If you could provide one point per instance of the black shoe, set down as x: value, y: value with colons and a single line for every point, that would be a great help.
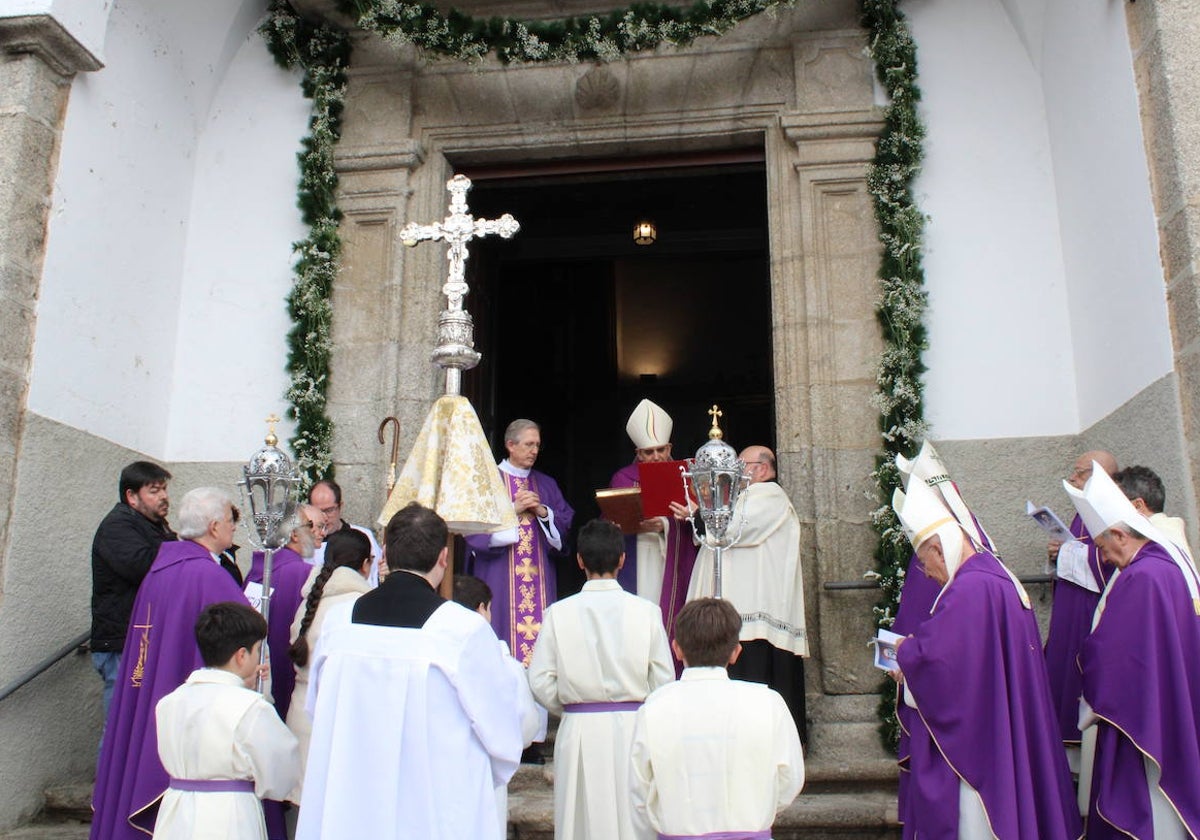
x: 533, y: 755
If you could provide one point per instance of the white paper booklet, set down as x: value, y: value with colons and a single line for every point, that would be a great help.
x: 254, y: 594
x: 885, y: 650
x: 1049, y: 522
x: 1073, y: 565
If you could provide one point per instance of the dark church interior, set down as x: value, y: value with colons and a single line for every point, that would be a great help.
x: 577, y: 322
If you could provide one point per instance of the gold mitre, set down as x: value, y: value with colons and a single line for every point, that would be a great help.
x: 649, y: 426
x: 929, y: 467
x: 921, y: 512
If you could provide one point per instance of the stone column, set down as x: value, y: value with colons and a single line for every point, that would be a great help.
x: 376, y: 370
x: 825, y: 254
x: 38, y: 60
x: 1166, y: 56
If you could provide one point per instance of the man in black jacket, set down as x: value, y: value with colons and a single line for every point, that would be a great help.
x: 123, y: 549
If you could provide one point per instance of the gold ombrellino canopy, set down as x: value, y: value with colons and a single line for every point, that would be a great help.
x: 451, y: 470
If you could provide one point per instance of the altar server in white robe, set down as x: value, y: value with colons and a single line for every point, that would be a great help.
x: 713, y: 756
x: 224, y: 747
x: 475, y: 595
x: 415, y: 712
x: 762, y: 577
x: 598, y: 655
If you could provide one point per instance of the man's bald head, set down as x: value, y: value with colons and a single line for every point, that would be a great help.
x: 1083, y: 466
x: 760, y: 463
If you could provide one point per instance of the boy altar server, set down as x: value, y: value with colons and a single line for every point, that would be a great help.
x: 713, y: 757
x: 598, y: 655
x: 223, y: 745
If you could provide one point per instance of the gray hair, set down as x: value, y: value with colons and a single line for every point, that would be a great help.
x: 201, y: 507
x: 517, y: 426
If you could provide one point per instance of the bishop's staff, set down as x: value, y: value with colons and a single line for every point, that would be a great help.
x: 268, y: 484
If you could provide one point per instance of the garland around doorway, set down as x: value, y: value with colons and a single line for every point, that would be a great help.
x: 322, y: 53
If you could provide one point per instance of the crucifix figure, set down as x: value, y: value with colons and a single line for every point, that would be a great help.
x: 456, y: 340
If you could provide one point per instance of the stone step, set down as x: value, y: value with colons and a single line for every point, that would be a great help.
x: 69, y: 830
x: 69, y: 802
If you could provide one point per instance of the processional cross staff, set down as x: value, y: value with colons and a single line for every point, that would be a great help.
x: 456, y: 341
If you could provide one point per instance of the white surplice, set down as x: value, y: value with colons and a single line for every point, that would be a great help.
x: 213, y: 727
x: 413, y: 730
x: 344, y: 586
x: 602, y: 645
x: 711, y: 754
x: 760, y: 573
x: 533, y: 722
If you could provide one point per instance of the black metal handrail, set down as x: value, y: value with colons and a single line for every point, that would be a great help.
x: 78, y: 644
x: 843, y: 585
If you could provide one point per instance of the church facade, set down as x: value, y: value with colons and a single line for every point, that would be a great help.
x: 147, y: 170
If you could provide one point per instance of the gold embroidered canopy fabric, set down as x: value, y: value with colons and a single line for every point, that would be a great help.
x: 451, y: 470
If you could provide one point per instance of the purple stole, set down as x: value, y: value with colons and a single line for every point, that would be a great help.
x: 526, y: 578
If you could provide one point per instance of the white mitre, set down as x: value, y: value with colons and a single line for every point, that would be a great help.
x: 1102, y: 505
x: 924, y: 515
x: 929, y: 467
x: 649, y: 426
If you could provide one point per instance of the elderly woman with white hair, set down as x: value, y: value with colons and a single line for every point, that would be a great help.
x: 160, y: 653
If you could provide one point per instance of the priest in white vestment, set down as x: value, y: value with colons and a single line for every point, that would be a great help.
x: 713, y: 756
x: 762, y: 577
x: 223, y: 746
x: 598, y: 656
x: 415, y: 712
x: 1143, y: 487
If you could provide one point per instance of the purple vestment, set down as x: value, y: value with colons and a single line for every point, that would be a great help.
x: 160, y: 653
x: 289, y: 573
x: 522, y: 576
x: 1070, y: 622
x: 678, y: 559
x: 1139, y: 676
x: 916, y: 600
x: 984, y: 715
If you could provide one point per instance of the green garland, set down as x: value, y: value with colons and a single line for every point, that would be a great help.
x: 642, y: 26
x: 323, y: 54
x: 901, y: 306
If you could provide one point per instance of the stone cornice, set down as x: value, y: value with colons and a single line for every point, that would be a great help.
x: 43, y: 36
x: 407, y: 154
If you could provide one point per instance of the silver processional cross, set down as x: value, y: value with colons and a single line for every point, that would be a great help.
x: 456, y: 335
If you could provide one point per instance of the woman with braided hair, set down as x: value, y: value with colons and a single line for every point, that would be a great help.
x: 341, y: 580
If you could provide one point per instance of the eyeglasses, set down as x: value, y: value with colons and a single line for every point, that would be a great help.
x: 331, y: 510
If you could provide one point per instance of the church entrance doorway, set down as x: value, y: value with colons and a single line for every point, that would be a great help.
x: 577, y: 322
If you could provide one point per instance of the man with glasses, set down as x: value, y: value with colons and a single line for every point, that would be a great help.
x: 326, y: 495
x: 518, y: 563
x: 762, y: 577
x: 658, y: 559
x: 1080, y: 577
x: 160, y: 653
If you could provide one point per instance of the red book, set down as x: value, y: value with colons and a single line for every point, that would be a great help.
x: 661, y: 483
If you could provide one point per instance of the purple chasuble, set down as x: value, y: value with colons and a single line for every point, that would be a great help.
x: 160, y: 653
x: 1070, y: 622
x: 916, y: 600
x: 678, y: 560
x: 1140, y: 678
x: 289, y: 573
x: 522, y: 576
x: 984, y: 715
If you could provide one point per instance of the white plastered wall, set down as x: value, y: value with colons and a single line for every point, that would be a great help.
x: 1047, y: 306
x: 161, y: 323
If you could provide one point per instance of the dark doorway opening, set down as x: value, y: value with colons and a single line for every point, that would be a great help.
x: 577, y: 323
